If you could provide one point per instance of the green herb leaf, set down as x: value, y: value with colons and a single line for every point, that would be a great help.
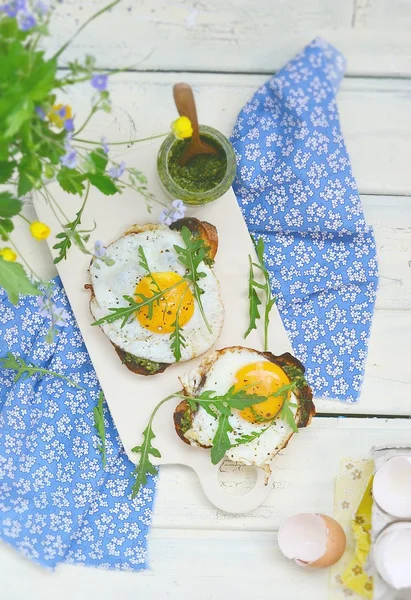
x: 24, y: 370
x: 221, y: 441
x: 99, y: 159
x: 9, y: 206
x: 288, y: 416
x: 71, y: 180
x: 247, y: 438
x: 254, y: 300
x: 20, y: 113
x: 14, y: 280
x: 98, y: 412
x: 253, y: 296
x: 191, y: 257
x: 177, y: 339
x: 6, y: 227
x: 145, y: 465
x: 103, y: 183
x: 6, y: 170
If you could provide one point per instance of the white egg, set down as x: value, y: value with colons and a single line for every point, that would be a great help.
x: 218, y: 374
x: 392, y: 487
x: 392, y: 555
x: 112, y: 283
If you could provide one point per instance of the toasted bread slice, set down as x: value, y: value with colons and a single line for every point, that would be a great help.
x: 184, y: 414
x: 199, y: 229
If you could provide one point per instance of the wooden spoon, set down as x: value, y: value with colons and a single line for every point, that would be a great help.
x: 186, y: 106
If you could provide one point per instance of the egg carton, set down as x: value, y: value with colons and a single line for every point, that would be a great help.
x: 380, y: 520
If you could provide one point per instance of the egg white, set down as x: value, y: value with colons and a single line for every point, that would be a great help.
x: 111, y: 283
x: 219, y: 378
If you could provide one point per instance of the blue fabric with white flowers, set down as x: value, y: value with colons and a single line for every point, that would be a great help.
x: 296, y: 190
x: 57, y: 504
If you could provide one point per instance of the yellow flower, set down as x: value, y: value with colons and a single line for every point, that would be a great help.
x: 60, y: 113
x: 39, y: 230
x: 181, y: 128
x: 8, y: 254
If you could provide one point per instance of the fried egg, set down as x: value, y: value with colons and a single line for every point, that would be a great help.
x: 146, y: 334
x: 261, y: 374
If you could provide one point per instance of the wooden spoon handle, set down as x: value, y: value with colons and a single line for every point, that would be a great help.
x: 186, y: 106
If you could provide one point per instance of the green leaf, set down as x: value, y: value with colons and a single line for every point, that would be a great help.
x: 288, y: 416
x: 6, y: 170
x: 191, y: 257
x: 30, y: 172
x: 98, y: 412
x: 254, y: 300
x: 9, y: 206
x: 21, y: 113
x: 6, y: 227
x: 25, y: 185
x: 14, y: 280
x: 221, y: 441
x: 71, y: 180
x: 145, y: 465
x: 24, y: 370
x: 103, y: 183
x: 99, y: 159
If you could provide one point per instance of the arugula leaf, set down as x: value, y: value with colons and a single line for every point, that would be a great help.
x: 14, y: 280
x: 24, y: 370
x: 254, y: 300
x: 98, y: 413
x: 253, y: 285
x: 6, y: 170
x: 125, y: 312
x: 177, y: 338
x: 103, y: 183
x: 191, y: 257
x: 146, y: 449
x: 221, y: 441
x: 71, y: 180
x: 247, y: 438
x: 144, y: 265
x: 288, y: 416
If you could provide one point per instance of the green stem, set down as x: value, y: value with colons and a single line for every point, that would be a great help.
x: 92, y: 113
x: 80, y: 29
x: 34, y: 274
x: 24, y: 218
x: 153, y: 137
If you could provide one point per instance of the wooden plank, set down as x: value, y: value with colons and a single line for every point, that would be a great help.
x: 238, y: 35
x: 304, y: 475
x: 194, y: 565
x: 374, y: 117
x: 198, y: 552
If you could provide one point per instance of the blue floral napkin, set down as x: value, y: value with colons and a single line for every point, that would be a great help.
x: 296, y: 190
x: 57, y: 504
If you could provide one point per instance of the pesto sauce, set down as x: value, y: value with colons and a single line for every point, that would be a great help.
x: 203, y: 172
x: 149, y: 365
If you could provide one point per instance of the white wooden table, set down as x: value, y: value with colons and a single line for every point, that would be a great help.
x: 226, y: 50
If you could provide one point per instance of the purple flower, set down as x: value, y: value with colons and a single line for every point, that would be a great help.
x: 41, y: 8
x: 12, y: 8
x: 99, y: 249
x: 47, y: 308
x: 99, y: 82
x: 176, y: 211
x: 26, y: 21
x: 61, y: 112
x: 40, y: 112
x: 179, y: 209
x: 116, y: 172
x: 69, y: 159
x: 104, y: 145
x: 69, y: 125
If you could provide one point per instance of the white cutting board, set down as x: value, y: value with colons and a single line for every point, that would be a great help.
x: 131, y: 397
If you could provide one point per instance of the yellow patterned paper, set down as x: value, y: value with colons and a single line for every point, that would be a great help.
x: 352, y: 509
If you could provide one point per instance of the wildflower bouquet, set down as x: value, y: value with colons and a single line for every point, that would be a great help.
x: 40, y: 142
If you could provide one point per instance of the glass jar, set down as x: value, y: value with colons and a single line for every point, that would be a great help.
x: 200, y: 196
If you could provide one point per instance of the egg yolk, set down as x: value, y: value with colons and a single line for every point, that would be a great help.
x: 267, y: 379
x: 163, y: 313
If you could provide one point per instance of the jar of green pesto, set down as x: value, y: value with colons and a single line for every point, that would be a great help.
x: 205, y: 177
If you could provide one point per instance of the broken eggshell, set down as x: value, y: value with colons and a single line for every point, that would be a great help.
x: 392, y: 555
x: 312, y: 540
x: 392, y: 487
